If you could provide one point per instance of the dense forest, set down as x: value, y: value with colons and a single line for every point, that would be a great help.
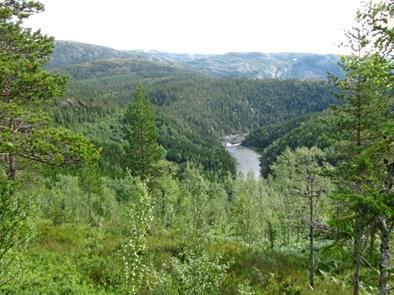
x: 193, y: 110
x: 114, y: 178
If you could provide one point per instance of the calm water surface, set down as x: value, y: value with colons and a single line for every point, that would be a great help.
x: 247, y: 159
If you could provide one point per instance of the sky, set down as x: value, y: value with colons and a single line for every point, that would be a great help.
x: 201, y: 26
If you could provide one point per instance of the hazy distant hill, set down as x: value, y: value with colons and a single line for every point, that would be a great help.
x: 260, y: 65
x: 303, y: 66
x: 68, y: 53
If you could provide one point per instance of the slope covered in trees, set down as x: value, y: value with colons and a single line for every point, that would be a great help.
x: 194, y: 110
x: 271, y: 140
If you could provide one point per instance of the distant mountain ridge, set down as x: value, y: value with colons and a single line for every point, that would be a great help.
x: 253, y: 65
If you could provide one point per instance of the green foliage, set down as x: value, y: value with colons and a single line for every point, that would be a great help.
x: 85, y: 205
x: 304, y: 169
x: 26, y: 90
x: 300, y: 176
x: 197, y: 274
x: 254, y: 204
x: 238, y: 105
x: 168, y: 200
x: 266, y: 135
x: 211, y: 233
x: 271, y: 234
x: 272, y: 140
x: 287, y: 287
x: 94, y: 255
x: 302, y: 164
x: 376, y: 16
x: 139, y: 219
x: 245, y: 215
x: 143, y: 151
x: 43, y: 274
x: 367, y: 93
x: 196, y: 189
x: 127, y: 189
x: 192, y: 110
x: 186, y: 146
x: 15, y: 230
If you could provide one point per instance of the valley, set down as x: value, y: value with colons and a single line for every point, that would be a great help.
x: 194, y: 109
x: 149, y: 172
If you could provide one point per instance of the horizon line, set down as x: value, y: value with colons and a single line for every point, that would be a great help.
x: 196, y: 53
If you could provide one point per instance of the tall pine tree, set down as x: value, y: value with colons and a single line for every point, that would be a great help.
x: 143, y: 150
x: 27, y: 133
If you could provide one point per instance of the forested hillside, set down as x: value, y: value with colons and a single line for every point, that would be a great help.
x: 272, y: 140
x: 114, y: 179
x: 195, y: 110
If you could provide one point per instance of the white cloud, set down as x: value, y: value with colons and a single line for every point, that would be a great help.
x: 204, y: 26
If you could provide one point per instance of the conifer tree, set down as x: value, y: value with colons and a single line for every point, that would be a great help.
x: 143, y: 151
x: 365, y: 118
x: 26, y: 90
x: 378, y: 18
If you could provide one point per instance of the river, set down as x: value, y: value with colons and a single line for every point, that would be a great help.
x: 247, y: 159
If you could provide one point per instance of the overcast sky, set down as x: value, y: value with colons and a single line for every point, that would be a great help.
x: 201, y: 26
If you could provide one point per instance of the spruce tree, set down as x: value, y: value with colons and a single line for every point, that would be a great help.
x: 143, y: 150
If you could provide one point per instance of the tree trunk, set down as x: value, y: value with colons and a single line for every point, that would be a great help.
x: 372, y: 240
x: 11, y: 171
x: 163, y: 209
x: 311, y: 246
x: 384, y: 264
x: 91, y: 220
x: 357, y: 254
x: 385, y: 229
